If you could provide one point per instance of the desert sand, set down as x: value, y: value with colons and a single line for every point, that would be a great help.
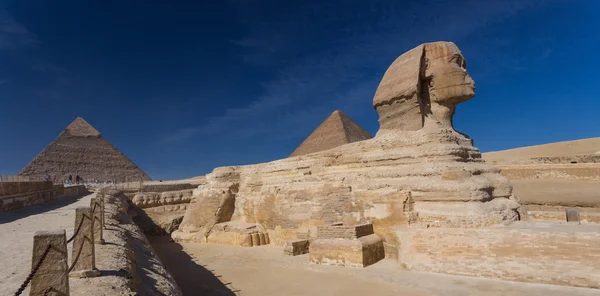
x: 556, y: 174
x: 216, y: 269
x: 581, y: 147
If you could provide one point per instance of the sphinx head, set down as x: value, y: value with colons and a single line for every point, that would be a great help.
x: 423, y: 86
x: 446, y: 81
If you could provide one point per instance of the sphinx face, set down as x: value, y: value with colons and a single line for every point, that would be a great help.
x: 449, y: 82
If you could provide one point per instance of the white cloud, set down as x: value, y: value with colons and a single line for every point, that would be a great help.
x: 14, y: 35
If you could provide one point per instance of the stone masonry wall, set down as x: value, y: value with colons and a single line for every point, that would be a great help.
x: 168, y: 187
x: 585, y: 217
x: 11, y: 188
x: 551, y: 253
x: 127, y: 255
x: 17, y: 201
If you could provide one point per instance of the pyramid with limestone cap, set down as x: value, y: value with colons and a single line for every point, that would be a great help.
x: 81, y: 150
x: 338, y: 129
x: 81, y: 128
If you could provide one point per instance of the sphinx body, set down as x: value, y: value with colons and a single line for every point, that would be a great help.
x: 416, y: 172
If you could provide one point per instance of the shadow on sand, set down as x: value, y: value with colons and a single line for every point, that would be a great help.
x: 10, y: 216
x: 193, y: 279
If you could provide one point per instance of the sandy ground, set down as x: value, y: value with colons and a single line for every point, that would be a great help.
x: 16, y: 236
x: 213, y: 269
x: 558, y: 184
x: 559, y: 149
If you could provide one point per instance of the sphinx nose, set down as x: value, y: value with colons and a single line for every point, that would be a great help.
x: 469, y: 80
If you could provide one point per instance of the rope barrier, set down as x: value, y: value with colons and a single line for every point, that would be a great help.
x: 79, y: 226
x: 77, y: 257
x: 33, y: 271
x: 76, y: 231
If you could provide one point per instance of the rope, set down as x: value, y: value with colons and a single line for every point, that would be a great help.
x: 94, y: 211
x: 77, y: 257
x: 76, y: 231
x: 33, y: 271
x: 79, y: 226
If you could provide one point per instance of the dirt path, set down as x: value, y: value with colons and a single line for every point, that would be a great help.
x: 16, y: 236
x: 213, y: 269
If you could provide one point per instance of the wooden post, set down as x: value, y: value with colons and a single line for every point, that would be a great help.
x: 83, y: 257
x: 53, y: 273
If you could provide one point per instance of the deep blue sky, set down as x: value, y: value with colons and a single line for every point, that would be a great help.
x: 183, y: 87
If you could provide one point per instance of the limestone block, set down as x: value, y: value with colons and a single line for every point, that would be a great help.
x: 255, y: 239
x: 339, y: 230
x: 53, y: 273
x: 237, y: 233
x: 572, y: 215
x: 83, y: 258
x: 296, y: 247
x: 360, y: 252
x: 246, y: 240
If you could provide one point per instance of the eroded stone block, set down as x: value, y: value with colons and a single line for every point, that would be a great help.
x: 53, y: 272
x: 572, y: 215
x: 239, y: 234
x: 346, y: 245
x: 296, y: 247
x: 83, y: 255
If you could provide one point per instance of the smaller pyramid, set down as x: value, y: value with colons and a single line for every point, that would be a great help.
x: 338, y: 129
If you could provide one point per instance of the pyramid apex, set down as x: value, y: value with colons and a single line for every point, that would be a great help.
x: 81, y: 128
x: 336, y: 130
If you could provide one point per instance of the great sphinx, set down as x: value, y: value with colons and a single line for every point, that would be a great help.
x: 418, y: 171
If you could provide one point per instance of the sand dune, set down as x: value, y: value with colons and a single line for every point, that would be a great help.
x: 566, y: 150
x: 562, y: 173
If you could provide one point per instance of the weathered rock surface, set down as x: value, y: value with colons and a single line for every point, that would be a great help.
x: 416, y: 170
x: 159, y: 213
x: 154, y: 199
x: 128, y: 254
